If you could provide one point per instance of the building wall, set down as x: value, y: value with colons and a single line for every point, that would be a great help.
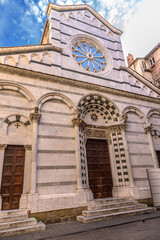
x: 47, y: 93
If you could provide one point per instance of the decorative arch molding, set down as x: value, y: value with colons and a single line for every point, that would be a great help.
x: 56, y: 96
x: 136, y: 111
x: 100, y: 104
x: 18, y: 88
x: 23, y: 59
x: 153, y: 112
x: 9, y: 60
x: 15, y: 118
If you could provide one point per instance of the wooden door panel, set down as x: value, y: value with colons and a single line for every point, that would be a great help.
x: 12, y: 177
x: 99, y: 170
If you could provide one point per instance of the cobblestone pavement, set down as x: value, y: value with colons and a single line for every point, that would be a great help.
x: 142, y: 227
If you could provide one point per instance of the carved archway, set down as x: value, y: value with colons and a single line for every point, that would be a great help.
x: 96, y: 104
x: 153, y: 112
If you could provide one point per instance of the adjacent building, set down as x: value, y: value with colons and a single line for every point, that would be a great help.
x: 149, y: 66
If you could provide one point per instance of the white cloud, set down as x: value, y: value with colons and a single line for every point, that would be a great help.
x: 142, y: 32
x: 3, y: 2
x: 38, y: 10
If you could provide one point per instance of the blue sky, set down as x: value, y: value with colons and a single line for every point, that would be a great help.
x: 22, y: 21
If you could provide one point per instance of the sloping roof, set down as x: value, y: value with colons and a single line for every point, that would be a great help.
x: 63, y: 8
x: 152, y: 51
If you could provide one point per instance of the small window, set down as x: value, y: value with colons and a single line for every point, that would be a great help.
x: 144, y: 65
x: 152, y: 62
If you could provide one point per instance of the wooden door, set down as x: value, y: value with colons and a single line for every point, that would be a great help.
x: 12, y: 177
x: 99, y: 170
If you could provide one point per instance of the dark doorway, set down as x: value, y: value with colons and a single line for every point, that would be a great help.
x: 12, y: 177
x: 99, y: 169
x: 158, y: 156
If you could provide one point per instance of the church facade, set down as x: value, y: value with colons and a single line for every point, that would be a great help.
x: 75, y: 123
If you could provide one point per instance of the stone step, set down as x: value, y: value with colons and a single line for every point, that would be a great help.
x: 22, y: 230
x: 13, y: 212
x: 84, y: 219
x: 111, y: 205
x: 13, y: 218
x: 108, y: 200
x: 17, y: 224
x: 113, y: 210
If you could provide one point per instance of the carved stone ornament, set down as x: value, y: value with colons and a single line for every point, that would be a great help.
x: 35, y: 116
x: 124, y: 117
x: 77, y: 112
x: 117, y: 128
x: 79, y: 122
x: 28, y: 147
x: 97, y: 134
x: 148, y: 127
x: 3, y: 146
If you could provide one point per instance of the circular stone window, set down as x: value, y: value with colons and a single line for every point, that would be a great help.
x: 89, y: 56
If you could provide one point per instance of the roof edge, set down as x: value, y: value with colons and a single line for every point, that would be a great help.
x: 152, y: 51
x: 29, y: 48
x: 60, y: 8
x: 141, y: 78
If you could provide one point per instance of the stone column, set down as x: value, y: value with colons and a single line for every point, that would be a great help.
x: 84, y: 193
x: 35, y: 117
x: 27, y: 177
x: 76, y: 123
x: 147, y: 129
x: 2, y: 151
x: 127, y: 158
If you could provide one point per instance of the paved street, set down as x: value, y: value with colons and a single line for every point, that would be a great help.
x: 144, y: 227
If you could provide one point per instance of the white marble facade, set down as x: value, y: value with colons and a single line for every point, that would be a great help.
x: 59, y: 104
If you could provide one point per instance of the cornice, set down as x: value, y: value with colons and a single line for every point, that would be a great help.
x: 62, y: 8
x: 142, y: 79
x: 30, y: 48
x: 75, y: 83
x: 44, y: 30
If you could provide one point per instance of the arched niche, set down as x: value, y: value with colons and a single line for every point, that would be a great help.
x: 9, y: 60
x: 20, y: 89
x: 56, y: 96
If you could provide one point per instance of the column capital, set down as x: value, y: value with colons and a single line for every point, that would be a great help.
x: 148, y: 127
x: 35, y: 117
x: 28, y: 147
x: 3, y: 146
x: 77, y: 112
x: 78, y: 122
x: 123, y: 118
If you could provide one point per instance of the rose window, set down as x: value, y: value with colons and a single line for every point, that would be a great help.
x: 89, y: 56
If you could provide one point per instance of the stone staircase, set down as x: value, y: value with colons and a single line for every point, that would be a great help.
x: 14, y: 222
x: 109, y: 208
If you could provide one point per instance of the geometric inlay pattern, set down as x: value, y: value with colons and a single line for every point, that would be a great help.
x: 88, y: 56
x: 94, y: 117
x: 120, y: 158
x: 83, y: 158
x: 101, y: 105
